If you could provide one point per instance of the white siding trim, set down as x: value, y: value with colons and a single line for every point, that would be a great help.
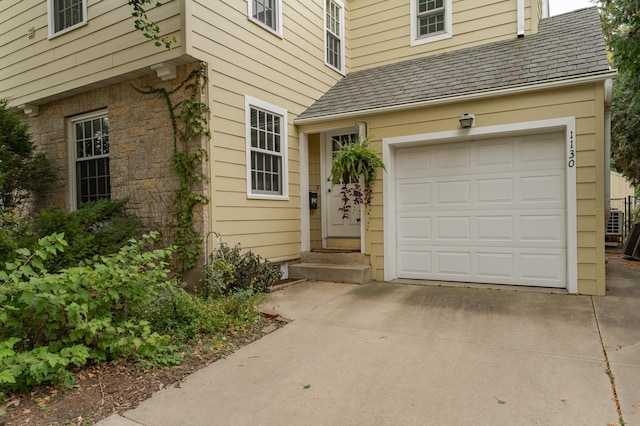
x: 389, y: 145
x: 250, y: 101
x: 448, y: 25
x: 51, y: 17
x: 305, y: 219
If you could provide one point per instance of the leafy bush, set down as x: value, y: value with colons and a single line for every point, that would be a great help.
x: 233, y: 270
x: 98, y: 228
x: 22, y: 170
x: 86, y: 313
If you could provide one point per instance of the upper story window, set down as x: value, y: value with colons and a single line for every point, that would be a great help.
x: 65, y: 15
x: 334, y: 34
x: 430, y: 21
x: 267, y: 13
x: 266, y: 127
x: 89, y: 153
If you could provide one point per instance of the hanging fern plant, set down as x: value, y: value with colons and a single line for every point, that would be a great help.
x: 354, y: 165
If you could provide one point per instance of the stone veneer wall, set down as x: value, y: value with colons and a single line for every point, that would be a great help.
x: 141, y: 146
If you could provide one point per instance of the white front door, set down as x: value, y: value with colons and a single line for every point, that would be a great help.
x: 337, y: 226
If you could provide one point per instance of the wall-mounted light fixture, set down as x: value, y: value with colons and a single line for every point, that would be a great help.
x: 466, y: 120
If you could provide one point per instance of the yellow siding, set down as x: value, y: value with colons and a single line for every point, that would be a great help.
x: 289, y: 72
x: 584, y: 102
x: 381, y: 29
x: 107, y: 48
x: 620, y: 186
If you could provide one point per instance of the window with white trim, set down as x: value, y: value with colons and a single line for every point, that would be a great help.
x: 89, y: 148
x: 266, y: 150
x: 334, y: 34
x: 430, y: 20
x: 267, y: 13
x: 65, y: 15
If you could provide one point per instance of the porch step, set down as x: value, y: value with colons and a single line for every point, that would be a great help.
x: 337, y: 267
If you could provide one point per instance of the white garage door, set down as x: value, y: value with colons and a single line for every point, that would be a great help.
x: 488, y: 211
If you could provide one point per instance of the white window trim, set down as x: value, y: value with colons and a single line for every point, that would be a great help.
x: 448, y: 25
x: 73, y: 196
x: 278, y: 29
x: 249, y: 102
x: 342, y: 38
x: 51, y: 17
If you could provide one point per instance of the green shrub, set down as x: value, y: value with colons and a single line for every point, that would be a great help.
x: 98, y: 228
x: 232, y: 270
x: 92, y: 312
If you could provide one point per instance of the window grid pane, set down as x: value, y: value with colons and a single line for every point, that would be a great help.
x: 334, y: 41
x: 266, y: 155
x: 430, y: 17
x: 92, y: 159
x: 67, y: 13
x: 265, y: 12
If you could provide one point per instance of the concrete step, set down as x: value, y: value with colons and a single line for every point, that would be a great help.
x: 335, y: 258
x: 335, y: 272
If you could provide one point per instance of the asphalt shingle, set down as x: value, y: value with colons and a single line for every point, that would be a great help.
x: 566, y: 46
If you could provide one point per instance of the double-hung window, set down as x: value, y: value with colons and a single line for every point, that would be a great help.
x: 267, y: 13
x: 266, y: 150
x: 65, y: 15
x: 430, y: 20
x: 89, y: 149
x: 334, y: 34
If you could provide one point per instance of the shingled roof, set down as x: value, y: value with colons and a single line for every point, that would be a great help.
x: 566, y: 46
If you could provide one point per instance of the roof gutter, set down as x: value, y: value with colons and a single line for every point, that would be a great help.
x: 510, y: 90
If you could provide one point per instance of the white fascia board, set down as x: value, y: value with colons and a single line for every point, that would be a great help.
x: 521, y: 88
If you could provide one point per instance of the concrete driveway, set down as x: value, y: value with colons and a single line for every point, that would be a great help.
x: 391, y: 354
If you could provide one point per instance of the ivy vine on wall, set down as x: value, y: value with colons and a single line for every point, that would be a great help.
x: 189, y: 124
x: 150, y: 29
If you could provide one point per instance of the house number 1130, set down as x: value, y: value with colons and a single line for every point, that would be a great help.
x: 572, y: 152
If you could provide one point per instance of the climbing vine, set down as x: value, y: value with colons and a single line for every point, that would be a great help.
x: 189, y: 124
x: 150, y: 29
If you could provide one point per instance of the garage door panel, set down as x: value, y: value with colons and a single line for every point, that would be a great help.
x: 413, y: 193
x: 415, y: 264
x: 414, y: 230
x: 496, y: 265
x: 543, y: 149
x: 495, y: 228
x: 547, y: 267
x: 494, y: 190
x: 453, y: 228
x: 453, y: 263
x: 453, y: 192
x: 542, y: 189
x: 548, y: 228
x: 415, y: 162
x: 488, y: 211
x: 494, y: 154
x: 448, y: 157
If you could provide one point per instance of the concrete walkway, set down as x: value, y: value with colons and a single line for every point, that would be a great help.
x: 390, y: 354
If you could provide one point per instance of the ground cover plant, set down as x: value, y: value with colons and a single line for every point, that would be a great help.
x: 114, y: 310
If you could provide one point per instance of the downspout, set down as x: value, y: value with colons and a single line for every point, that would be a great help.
x: 520, y: 14
x: 545, y: 8
x: 608, y: 97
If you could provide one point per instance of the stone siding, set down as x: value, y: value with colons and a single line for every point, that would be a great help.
x: 141, y: 146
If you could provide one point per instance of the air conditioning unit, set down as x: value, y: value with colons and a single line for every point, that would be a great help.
x: 615, y: 225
